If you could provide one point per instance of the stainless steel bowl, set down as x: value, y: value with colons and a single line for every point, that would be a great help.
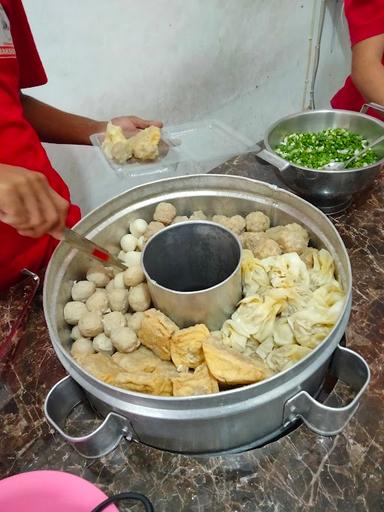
x: 233, y: 419
x: 330, y: 190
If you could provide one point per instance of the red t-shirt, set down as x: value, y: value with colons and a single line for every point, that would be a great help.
x: 20, y: 67
x: 365, y: 19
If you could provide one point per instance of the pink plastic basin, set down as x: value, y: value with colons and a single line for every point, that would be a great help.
x: 49, y: 491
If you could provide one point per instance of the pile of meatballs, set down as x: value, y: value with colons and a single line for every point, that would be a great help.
x: 108, y: 307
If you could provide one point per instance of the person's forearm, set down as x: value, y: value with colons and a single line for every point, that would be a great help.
x: 54, y: 125
x: 370, y: 83
x: 367, y: 68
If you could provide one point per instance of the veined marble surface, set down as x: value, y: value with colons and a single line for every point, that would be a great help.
x: 300, y: 472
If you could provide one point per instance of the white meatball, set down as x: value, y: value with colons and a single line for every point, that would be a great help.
x: 82, y: 347
x: 82, y: 290
x: 139, y: 297
x: 165, y: 213
x: 118, y: 300
x: 101, y: 343
x: 135, y: 321
x: 99, y: 275
x: 75, y: 333
x: 113, y: 321
x: 124, y: 339
x: 73, y: 311
x: 98, y: 302
x: 121, y: 255
x: 90, y: 324
x: 133, y: 276
x: 128, y: 243
x: 127, y: 317
x: 118, y: 280
x: 141, y: 243
x: 132, y: 258
x: 138, y: 227
x: 110, y: 286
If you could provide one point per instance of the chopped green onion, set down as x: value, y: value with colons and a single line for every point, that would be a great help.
x: 317, y: 149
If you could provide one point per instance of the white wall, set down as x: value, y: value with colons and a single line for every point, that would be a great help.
x: 242, y: 61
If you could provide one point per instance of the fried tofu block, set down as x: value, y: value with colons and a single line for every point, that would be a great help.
x: 105, y: 369
x: 231, y: 367
x: 156, y: 332
x: 144, y: 360
x: 186, y: 346
x: 201, y: 382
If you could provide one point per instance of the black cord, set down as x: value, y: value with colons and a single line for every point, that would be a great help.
x: 135, y: 496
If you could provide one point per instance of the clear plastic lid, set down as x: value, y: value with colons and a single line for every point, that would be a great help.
x: 199, y: 141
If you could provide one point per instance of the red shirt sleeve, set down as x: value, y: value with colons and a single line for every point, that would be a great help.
x: 365, y: 19
x: 31, y: 68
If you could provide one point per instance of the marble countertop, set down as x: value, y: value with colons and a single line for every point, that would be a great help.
x: 300, y: 472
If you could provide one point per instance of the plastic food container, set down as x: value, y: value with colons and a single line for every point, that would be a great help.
x: 196, y: 146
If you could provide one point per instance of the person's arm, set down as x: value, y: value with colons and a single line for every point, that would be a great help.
x: 54, y: 125
x: 367, y: 68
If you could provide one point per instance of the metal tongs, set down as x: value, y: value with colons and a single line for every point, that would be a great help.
x: 91, y: 249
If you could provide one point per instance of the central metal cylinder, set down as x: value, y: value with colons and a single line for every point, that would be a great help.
x: 193, y: 273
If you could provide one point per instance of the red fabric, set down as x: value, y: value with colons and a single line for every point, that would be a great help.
x: 365, y: 19
x: 20, y: 67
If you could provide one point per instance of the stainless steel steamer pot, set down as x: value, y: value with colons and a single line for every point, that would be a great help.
x: 234, y: 419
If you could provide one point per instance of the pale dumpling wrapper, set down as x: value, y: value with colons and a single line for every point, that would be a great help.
x: 284, y: 357
x: 256, y: 316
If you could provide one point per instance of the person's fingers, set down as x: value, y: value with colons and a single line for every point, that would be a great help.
x: 159, y: 124
x: 62, y: 207
x: 12, y: 209
x: 145, y: 123
x: 34, y: 204
x: 32, y: 207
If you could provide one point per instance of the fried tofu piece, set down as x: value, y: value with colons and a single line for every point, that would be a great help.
x: 100, y: 366
x: 144, y: 360
x: 156, y: 332
x: 201, y: 382
x: 154, y: 383
x: 105, y: 369
x: 231, y: 367
x: 186, y: 346
x: 145, y: 143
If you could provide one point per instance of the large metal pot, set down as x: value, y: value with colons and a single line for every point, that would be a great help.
x: 247, y: 416
x: 330, y: 190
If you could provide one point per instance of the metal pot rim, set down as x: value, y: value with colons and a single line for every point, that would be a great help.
x: 315, y: 112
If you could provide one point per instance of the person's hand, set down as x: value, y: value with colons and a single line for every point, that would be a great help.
x: 132, y: 123
x: 29, y: 204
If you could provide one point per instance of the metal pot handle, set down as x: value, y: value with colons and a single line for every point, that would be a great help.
x: 273, y: 159
x: 375, y: 106
x: 62, y: 399
x: 347, y: 366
